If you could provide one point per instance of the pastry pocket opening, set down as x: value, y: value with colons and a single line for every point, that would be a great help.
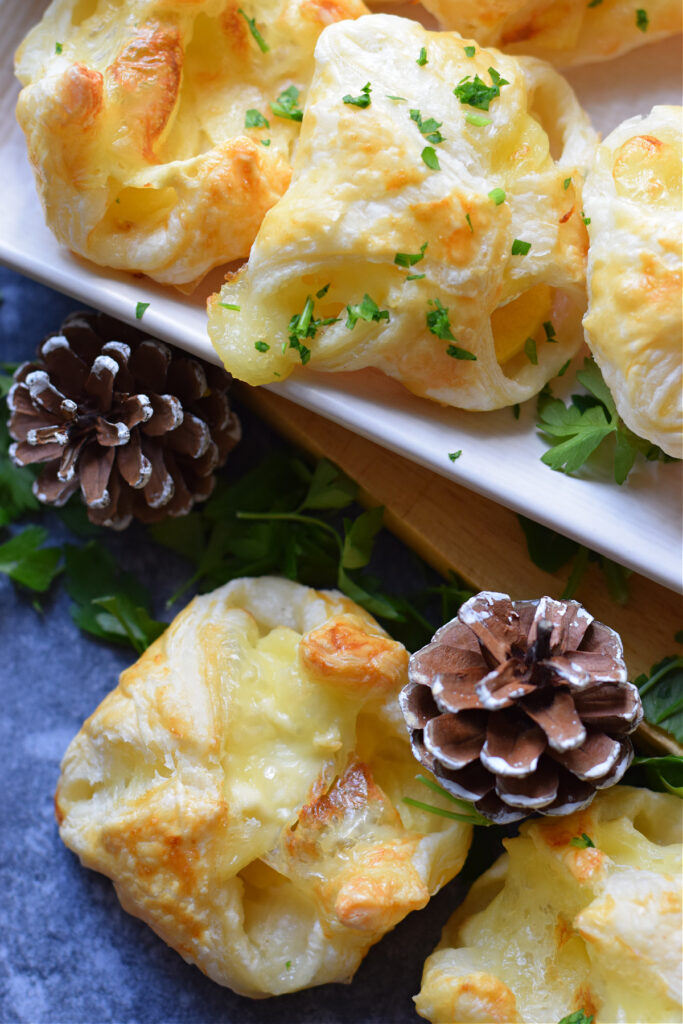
x: 520, y: 320
x: 137, y: 207
x: 84, y: 9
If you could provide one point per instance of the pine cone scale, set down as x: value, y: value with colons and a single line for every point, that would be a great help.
x: 500, y: 693
x: 68, y: 370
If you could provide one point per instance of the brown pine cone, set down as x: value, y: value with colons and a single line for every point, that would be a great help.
x: 138, y: 427
x: 522, y: 706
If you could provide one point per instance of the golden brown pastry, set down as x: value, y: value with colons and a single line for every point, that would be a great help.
x: 243, y: 787
x: 430, y: 235
x: 634, y: 324
x: 561, y: 31
x: 583, y: 912
x: 151, y: 134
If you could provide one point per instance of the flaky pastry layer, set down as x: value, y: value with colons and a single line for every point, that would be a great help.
x: 455, y: 324
x: 634, y: 323
x: 243, y: 784
x: 136, y: 127
x: 559, y: 925
x: 560, y: 31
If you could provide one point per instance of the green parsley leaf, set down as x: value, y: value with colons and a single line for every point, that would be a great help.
x: 398, y: 99
x: 662, y: 695
x: 516, y: 410
x: 429, y: 127
x: 360, y: 101
x: 108, y: 603
x: 323, y: 291
x: 497, y: 195
x: 25, y: 561
x: 329, y: 488
x: 422, y: 59
x: 367, y: 310
x: 255, y: 119
x: 58, y: 47
x: 478, y: 120
x: 642, y: 20
x: 476, y: 93
x: 520, y: 248
x: 578, y: 1017
x: 430, y: 158
x: 409, y: 259
x: 438, y: 321
x: 140, y: 310
x: 265, y: 142
x: 460, y: 353
x: 305, y: 325
x: 415, y: 277
x: 287, y: 105
x: 470, y: 51
x: 261, y: 346
x: 455, y: 455
x: 359, y: 538
x: 663, y: 774
x: 547, y: 549
x: 586, y: 220
x: 230, y: 305
x: 251, y: 22
x: 582, y: 842
x: 563, y: 369
x: 549, y: 329
x: 567, y: 181
x: 469, y: 223
x: 530, y: 351
x: 288, y: 964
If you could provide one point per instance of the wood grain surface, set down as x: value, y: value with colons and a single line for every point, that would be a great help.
x: 455, y: 529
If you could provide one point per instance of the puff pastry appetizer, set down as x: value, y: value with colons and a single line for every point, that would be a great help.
x: 431, y: 235
x: 151, y: 132
x: 634, y: 323
x: 243, y: 787
x: 561, y: 31
x: 580, y: 913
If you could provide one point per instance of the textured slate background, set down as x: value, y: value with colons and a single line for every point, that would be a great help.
x: 68, y: 953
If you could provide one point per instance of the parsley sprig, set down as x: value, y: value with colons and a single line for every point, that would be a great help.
x: 579, y: 429
x: 287, y: 105
x: 367, y: 310
x: 662, y: 695
x: 474, y: 92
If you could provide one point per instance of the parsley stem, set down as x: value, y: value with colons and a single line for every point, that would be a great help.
x: 467, y: 819
x: 294, y: 517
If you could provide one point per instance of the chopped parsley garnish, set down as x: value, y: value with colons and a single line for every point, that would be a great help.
x: 594, y: 3
x: 476, y: 93
x: 516, y: 410
x: 586, y: 220
x: 229, y: 305
x: 578, y: 1017
x: 366, y: 310
x: 455, y: 352
x: 478, y: 120
x: 563, y: 369
x: 251, y: 22
x: 399, y: 99
x: 58, y: 47
x: 469, y: 223
x: 422, y: 59
x: 359, y: 101
x: 265, y: 142
x: 430, y: 158
x: 255, y: 119
x: 530, y: 351
x: 550, y: 334
x: 261, y: 346
x: 288, y: 964
x: 520, y: 248
x: 497, y: 195
x: 470, y: 51
x: 409, y: 259
x: 429, y: 128
x: 642, y: 20
x: 287, y: 104
x: 438, y: 321
x: 567, y: 181
x: 415, y: 277
x: 322, y: 292
x: 455, y: 455
x: 304, y: 325
x: 140, y: 310
x: 582, y: 842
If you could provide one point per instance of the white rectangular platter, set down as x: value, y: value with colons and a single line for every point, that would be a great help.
x: 639, y: 524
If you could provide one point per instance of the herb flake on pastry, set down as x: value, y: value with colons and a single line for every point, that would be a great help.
x: 435, y: 234
x: 583, y: 912
x: 151, y: 132
x: 563, y: 32
x: 634, y: 323
x: 243, y: 784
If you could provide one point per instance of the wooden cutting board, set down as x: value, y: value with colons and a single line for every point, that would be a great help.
x: 452, y: 528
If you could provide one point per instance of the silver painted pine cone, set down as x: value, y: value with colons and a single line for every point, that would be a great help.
x: 522, y: 706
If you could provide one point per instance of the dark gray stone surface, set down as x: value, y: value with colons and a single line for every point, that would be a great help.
x: 68, y: 953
